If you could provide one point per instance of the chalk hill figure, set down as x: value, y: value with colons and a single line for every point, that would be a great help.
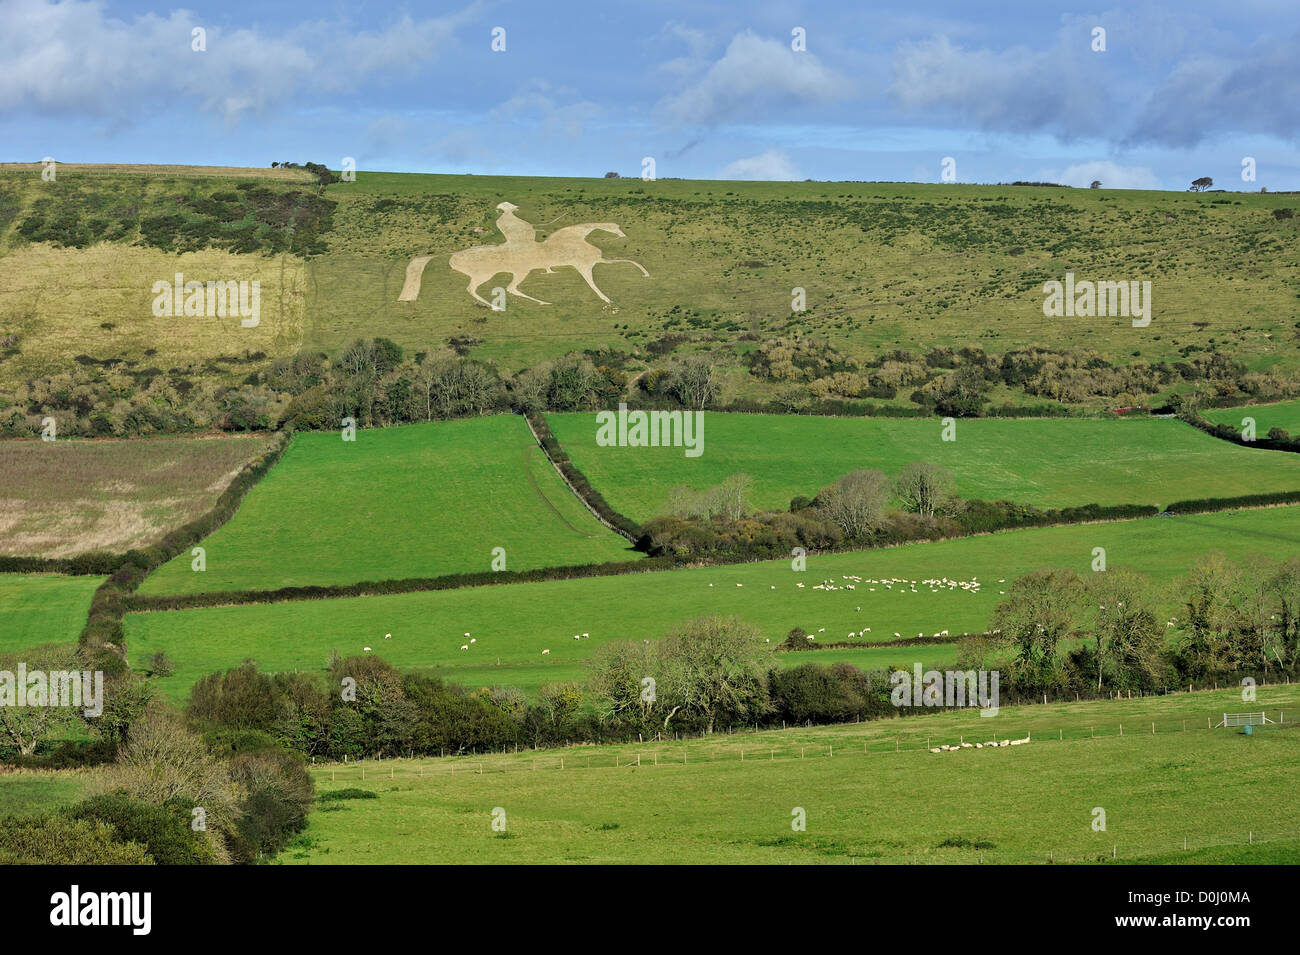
x: 522, y: 254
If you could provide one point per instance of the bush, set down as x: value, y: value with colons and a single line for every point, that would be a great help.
x: 164, y: 831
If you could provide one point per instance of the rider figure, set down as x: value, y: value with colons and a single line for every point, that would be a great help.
x: 515, y: 229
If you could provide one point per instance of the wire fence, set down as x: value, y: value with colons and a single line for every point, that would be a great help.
x: 728, y: 748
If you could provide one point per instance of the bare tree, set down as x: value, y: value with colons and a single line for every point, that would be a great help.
x: 925, y: 488
x: 856, y: 502
x: 696, y: 384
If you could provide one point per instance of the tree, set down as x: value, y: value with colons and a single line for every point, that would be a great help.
x: 695, y: 383
x: 925, y: 488
x: 40, y: 719
x: 1200, y: 185
x: 614, y: 675
x: 1041, y: 610
x: 714, y: 668
x: 1129, y: 639
x: 611, y: 175
x: 164, y: 761
x: 856, y: 502
x: 1095, y: 184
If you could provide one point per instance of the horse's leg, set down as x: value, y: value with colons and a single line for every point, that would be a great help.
x: 630, y: 261
x: 584, y: 270
x: 513, y: 289
x: 474, y: 282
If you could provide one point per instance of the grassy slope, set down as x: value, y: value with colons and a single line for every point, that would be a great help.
x: 43, y: 608
x: 1052, y: 463
x: 29, y: 793
x: 67, y: 497
x: 885, y: 265
x: 513, y: 623
x: 417, y: 501
x: 864, y: 803
x: 1281, y: 414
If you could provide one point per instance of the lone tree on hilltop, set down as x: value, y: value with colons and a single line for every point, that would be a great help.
x: 1200, y: 185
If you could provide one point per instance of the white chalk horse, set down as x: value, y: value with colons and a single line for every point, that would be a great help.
x: 563, y: 247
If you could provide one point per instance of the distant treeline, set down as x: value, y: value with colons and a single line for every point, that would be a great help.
x: 376, y: 382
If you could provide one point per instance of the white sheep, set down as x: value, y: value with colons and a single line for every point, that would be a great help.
x: 367, y: 649
x: 464, y: 646
x: 388, y: 636
x: 545, y: 652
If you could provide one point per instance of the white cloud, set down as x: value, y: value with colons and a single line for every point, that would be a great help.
x: 74, y: 58
x: 1112, y: 175
x: 754, y: 75
x: 771, y: 165
x: 538, y: 101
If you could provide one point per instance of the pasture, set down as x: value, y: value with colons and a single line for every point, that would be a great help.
x: 417, y: 501
x: 1045, y: 462
x: 870, y: 793
x: 43, y: 608
x: 1280, y: 414
x: 66, y: 497
x: 512, y: 624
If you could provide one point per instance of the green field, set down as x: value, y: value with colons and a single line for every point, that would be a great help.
x: 870, y: 791
x: 1281, y: 414
x: 1046, y: 462
x: 513, y: 623
x: 28, y: 793
x: 43, y: 608
x: 417, y: 501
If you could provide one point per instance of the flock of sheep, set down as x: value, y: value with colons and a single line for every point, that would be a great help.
x: 851, y: 581
x: 947, y: 748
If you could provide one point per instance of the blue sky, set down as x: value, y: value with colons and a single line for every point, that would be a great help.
x: 883, y: 91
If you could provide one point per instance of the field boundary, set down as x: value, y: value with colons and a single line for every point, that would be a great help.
x: 592, y: 500
x: 103, y: 639
x: 137, y: 603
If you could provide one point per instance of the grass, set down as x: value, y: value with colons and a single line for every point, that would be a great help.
x: 1049, y: 463
x: 949, y: 265
x: 870, y: 793
x: 66, y: 497
x: 43, y: 608
x: 513, y: 623
x: 416, y: 501
x: 1281, y: 414
x: 946, y: 265
x: 26, y: 793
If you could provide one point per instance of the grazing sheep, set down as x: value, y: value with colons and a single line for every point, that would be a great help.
x: 388, y: 636
x: 473, y: 640
x: 367, y: 649
x: 545, y: 652
x: 935, y: 749
x: 464, y: 646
